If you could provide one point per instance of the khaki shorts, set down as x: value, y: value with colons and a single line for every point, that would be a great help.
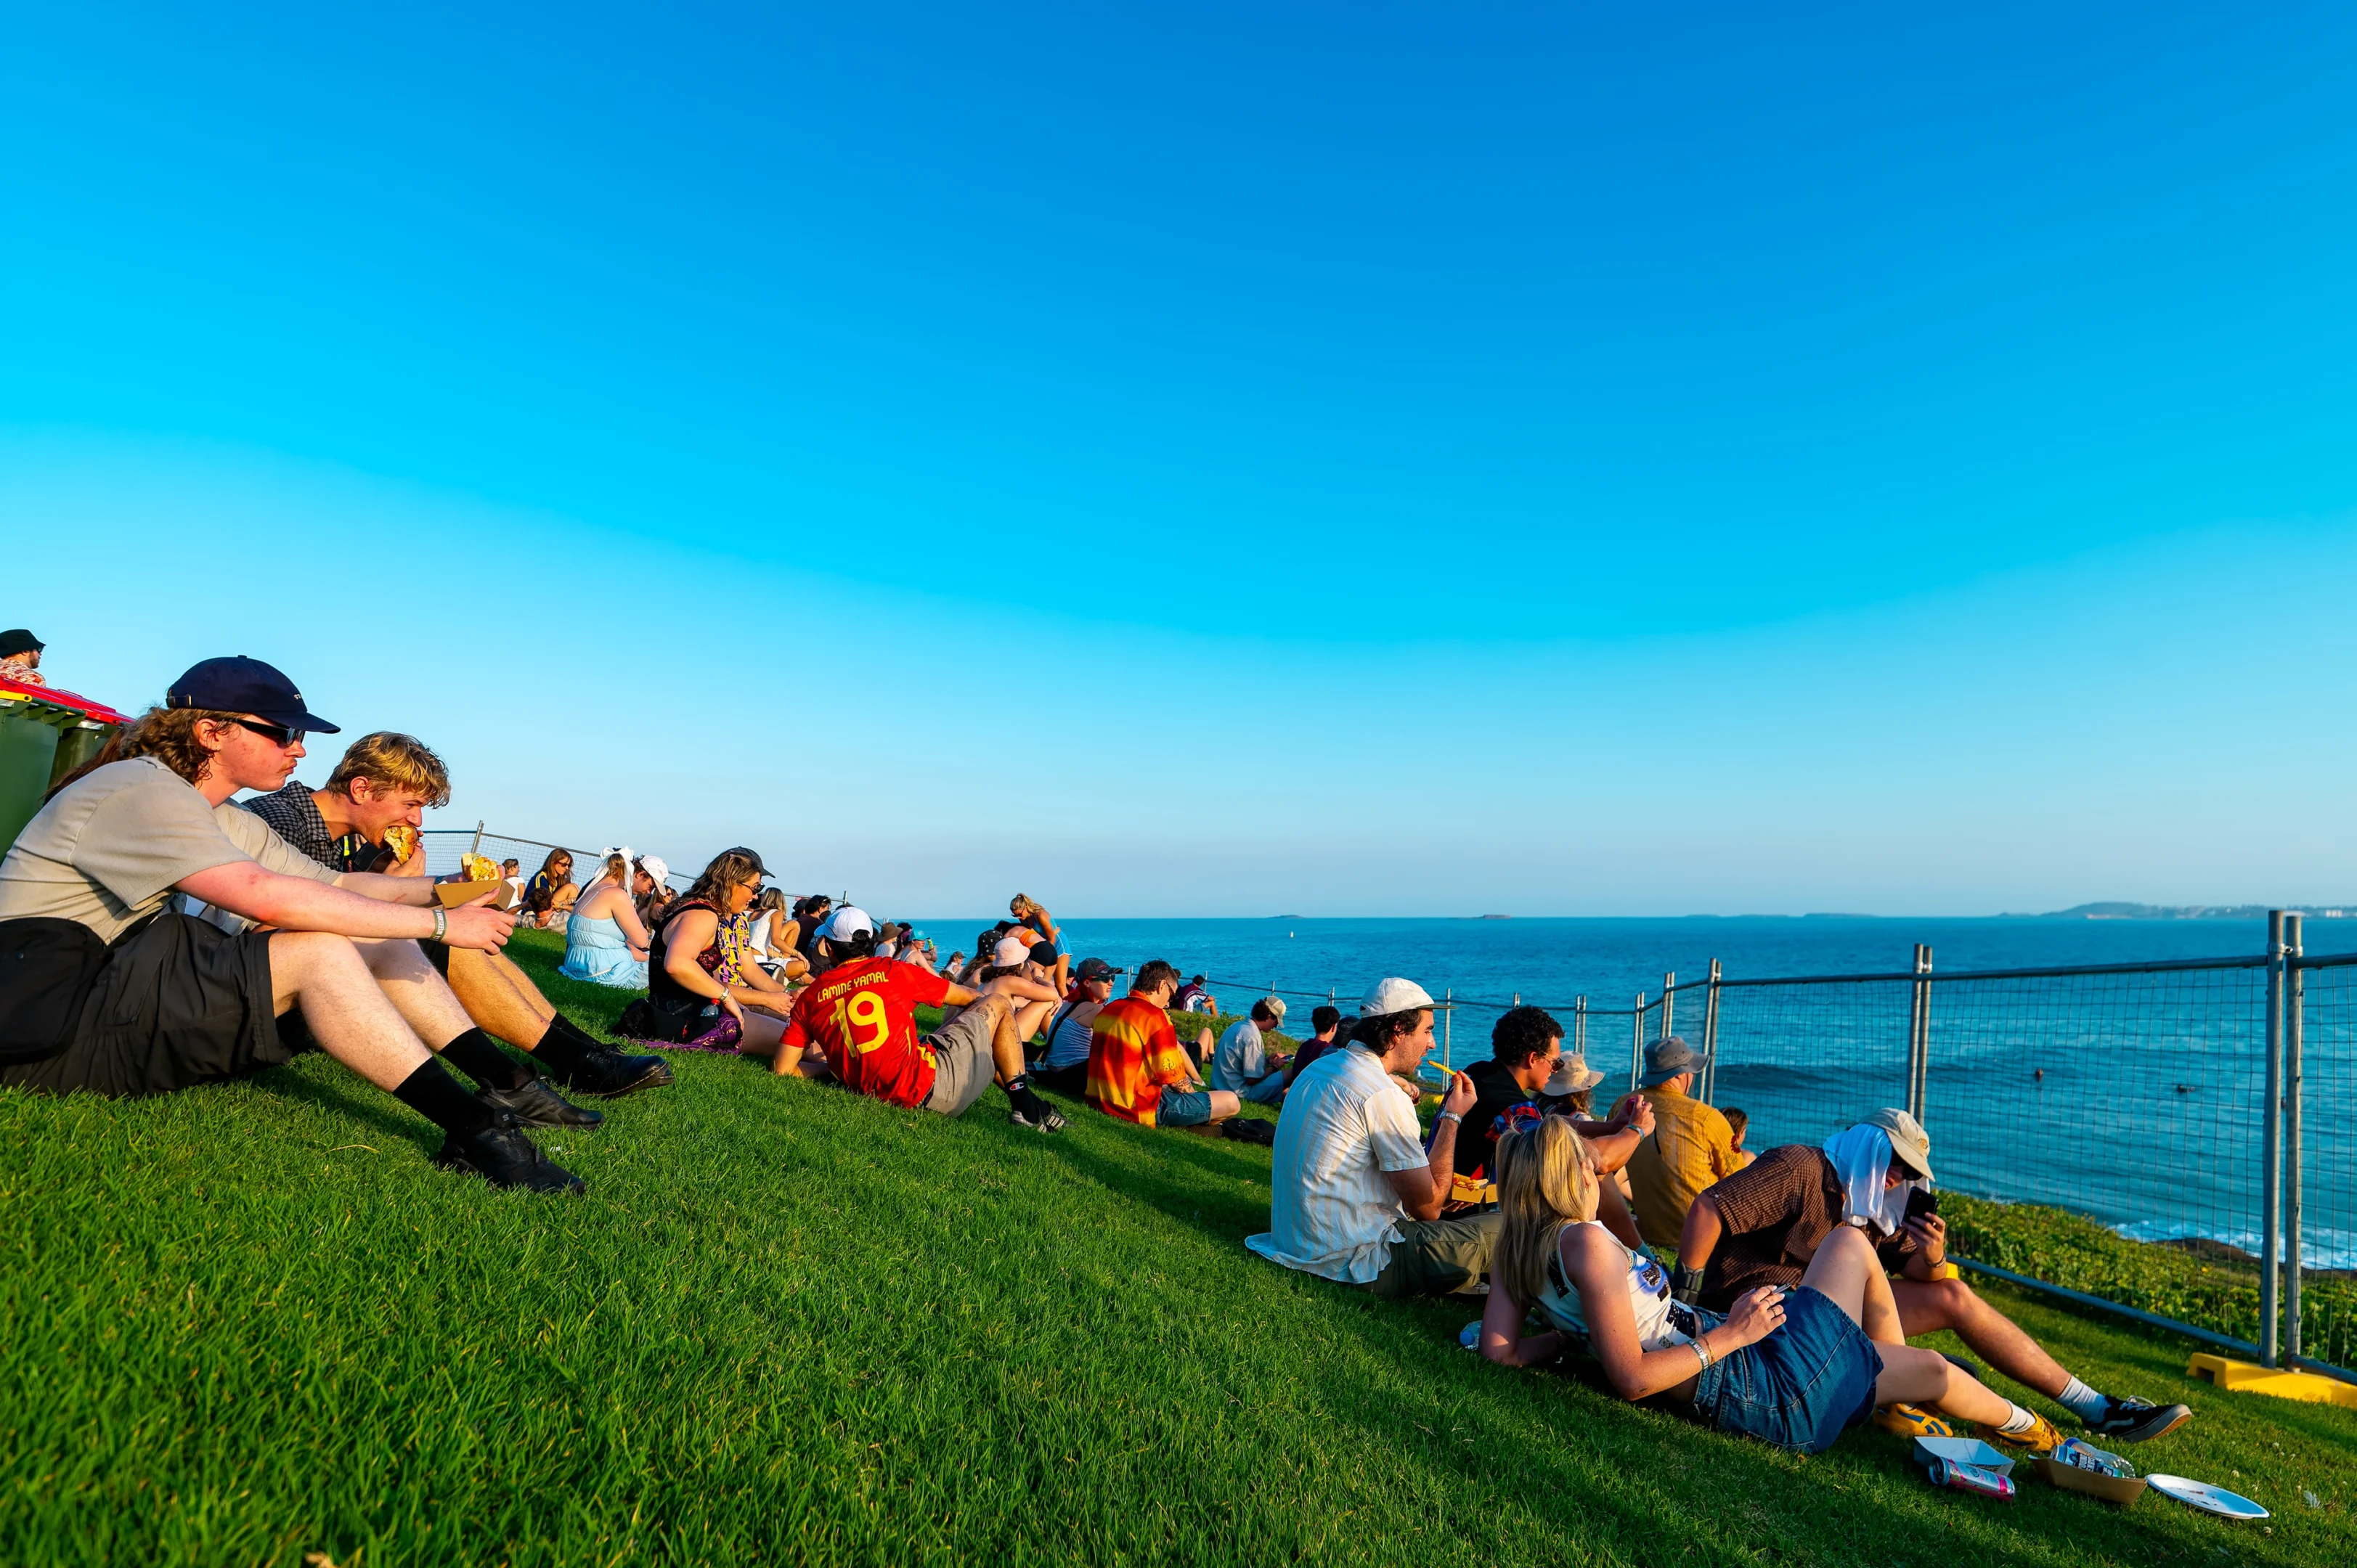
x: 962, y: 1065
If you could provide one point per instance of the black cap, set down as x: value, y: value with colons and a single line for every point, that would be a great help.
x: 242, y: 685
x: 1095, y: 968
x: 16, y: 639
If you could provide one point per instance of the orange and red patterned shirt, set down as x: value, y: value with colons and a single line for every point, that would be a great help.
x: 863, y: 1013
x: 1132, y: 1052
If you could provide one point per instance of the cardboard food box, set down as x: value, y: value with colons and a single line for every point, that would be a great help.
x: 1963, y: 1451
x: 2120, y: 1489
x: 453, y: 894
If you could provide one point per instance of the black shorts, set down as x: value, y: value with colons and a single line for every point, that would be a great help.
x: 179, y: 1004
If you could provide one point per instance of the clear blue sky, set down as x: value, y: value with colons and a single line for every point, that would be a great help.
x: 1221, y: 460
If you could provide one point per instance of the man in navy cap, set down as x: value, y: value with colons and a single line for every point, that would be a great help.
x: 102, y: 990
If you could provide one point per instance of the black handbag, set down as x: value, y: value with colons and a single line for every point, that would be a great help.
x: 47, y: 968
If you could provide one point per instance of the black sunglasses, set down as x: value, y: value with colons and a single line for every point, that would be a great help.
x: 278, y: 735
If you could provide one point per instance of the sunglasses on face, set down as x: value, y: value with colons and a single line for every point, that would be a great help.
x: 280, y: 736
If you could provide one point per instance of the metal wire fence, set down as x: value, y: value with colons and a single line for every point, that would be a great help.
x: 443, y: 848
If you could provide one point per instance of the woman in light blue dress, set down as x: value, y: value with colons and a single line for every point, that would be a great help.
x: 604, y: 943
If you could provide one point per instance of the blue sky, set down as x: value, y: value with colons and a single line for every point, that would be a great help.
x: 1217, y: 459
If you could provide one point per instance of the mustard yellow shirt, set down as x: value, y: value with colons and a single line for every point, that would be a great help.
x: 1691, y: 1146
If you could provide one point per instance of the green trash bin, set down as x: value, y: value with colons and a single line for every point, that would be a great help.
x: 44, y: 734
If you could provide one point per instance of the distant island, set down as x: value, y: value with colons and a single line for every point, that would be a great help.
x: 2116, y: 911
x: 1493, y: 917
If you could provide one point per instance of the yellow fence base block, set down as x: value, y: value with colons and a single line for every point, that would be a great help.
x: 2245, y: 1378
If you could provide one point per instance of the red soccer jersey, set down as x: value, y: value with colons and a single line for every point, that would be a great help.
x: 862, y: 1013
x: 1132, y: 1052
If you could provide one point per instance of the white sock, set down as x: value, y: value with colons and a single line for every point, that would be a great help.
x: 2083, y: 1401
x: 2020, y: 1421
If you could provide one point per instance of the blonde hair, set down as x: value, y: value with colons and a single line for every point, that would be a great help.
x: 619, y: 868
x: 1020, y: 905
x: 392, y: 760
x: 1546, y: 1180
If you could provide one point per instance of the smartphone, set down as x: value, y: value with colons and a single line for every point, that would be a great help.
x: 1920, y: 1203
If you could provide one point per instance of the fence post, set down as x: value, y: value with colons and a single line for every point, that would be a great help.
x: 2271, y: 1150
x: 1918, y: 1036
x: 1637, y: 1046
x: 478, y: 848
x: 1669, y: 1003
x: 1447, y: 1017
x: 2295, y: 986
x: 1710, y: 1039
x: 1579, y: 1028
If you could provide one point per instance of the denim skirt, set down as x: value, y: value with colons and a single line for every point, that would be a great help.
x: 1802, y: 1387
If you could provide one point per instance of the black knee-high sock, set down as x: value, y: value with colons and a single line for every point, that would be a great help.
x: 473, y: 1054
x: 566, y: 1047
x: 434, y: 1094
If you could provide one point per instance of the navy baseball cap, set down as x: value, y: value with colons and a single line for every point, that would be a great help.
x: 242, y: 685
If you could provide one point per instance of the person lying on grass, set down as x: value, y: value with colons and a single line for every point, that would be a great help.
x: 385, y: 780
x: 1137, y: 1073
x: 125, y: 998
x: 1354, y: 1197
x: 1794, y: 1371
x: 1749, y: 1229
x: 856, y: 1021
x: 702, y: 973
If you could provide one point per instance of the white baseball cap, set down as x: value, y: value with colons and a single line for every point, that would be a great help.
x: 1011, y: 952
x: 1394, y: 996
x: 845, y: 923
x: 655, y: 866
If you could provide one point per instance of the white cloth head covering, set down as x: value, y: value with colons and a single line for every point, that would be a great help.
x: 1861, y: 1157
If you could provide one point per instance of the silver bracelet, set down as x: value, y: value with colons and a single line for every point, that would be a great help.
x: 441, y: 922
x: 1703, y: 1351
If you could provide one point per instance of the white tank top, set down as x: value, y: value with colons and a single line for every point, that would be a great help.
x: 1661, y: 1322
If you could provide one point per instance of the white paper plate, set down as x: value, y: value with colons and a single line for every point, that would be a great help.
x: 2206, y: 1497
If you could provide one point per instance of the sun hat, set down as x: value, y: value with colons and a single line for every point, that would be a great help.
x: 16, y: 639
x: 845, y: 923
x: 1908, y: 1141
x: 1571, y: 1075
x: 1393, y: 995
x: 1666, y: 1058
x: 1011, y: 952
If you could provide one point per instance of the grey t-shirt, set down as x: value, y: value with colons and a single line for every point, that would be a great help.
x: 1242, y: 1060
x: 107, y: 851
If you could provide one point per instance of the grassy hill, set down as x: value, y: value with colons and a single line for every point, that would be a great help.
x: 788, y: 1325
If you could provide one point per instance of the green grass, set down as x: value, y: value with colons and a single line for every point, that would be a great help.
x: 2211, y: 1288
x: 788, y: 1325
